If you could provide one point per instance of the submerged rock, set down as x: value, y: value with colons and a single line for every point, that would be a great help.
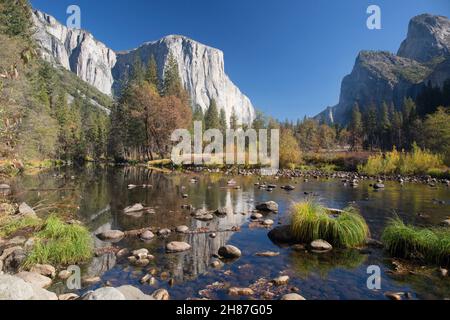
x: 177, y: 246
x: 111, y: 235
x: 229, y: 252
x: 240, y: 291
x: 282, y: 235
x: 268, y: 254
x: 269, y: 206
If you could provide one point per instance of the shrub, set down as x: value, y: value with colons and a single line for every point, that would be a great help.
x: 311, y: 221
x: 61, y: 244
x: 409, y: 242
x: 416, y: 162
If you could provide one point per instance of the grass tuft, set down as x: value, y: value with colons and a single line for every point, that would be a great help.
x: 61, y: 244
x: 429, y: 244
x: 311, y: 221
x: 13, y: 225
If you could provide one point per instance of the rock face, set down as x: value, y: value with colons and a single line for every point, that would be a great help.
x: 75, y: 50
x: 201, y: 68
x: 202, y: 72
x: 428, y: 37
x: 380, y: 76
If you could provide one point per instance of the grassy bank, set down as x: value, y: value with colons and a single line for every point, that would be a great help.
x: 428, y: 244
x: 311, y: 221
x: 59, y: 243
x: 56, y: 242
x: 415, y: 162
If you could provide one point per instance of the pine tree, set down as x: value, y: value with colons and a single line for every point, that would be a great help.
x: 223, y: 121
x: 212, y: 120
x: 234, y: 120
x: 137, y: 73
x: 356, y: 128
x: 15, y: 18
x: 370, y: 126
x: 385, y: 128
x: 151, y: 75
x: 172, y: 81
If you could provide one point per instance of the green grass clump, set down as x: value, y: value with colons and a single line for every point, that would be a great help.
x: 311, y: 221
x: 409, y: 242
x: 59, y: 243
x: 13, y: 225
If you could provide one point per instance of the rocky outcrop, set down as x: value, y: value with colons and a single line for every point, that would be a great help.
x: 75, y: 50
x: 202, y: 71
x: 379, y: 77
x: 428, y: 38
x: 201, y: 67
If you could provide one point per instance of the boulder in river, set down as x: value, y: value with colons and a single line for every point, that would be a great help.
x: 147, y: 235
x: 224, y: 211
x: 134, y: 208
x: 111, y: 235
x: 229, y: 252
x: 133, y: 293
x: 378, y: 186
x: 321, y: 246
x: 182, y: 229
x: 177, y: 246
x: 269, y: 206
x: 282, y: 235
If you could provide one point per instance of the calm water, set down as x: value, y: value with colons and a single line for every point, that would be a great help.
x: 97, y: 196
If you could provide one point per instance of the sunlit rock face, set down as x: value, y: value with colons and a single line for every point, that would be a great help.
x: 201, y: 69
x: 428, y: 38
x: 75, y: 50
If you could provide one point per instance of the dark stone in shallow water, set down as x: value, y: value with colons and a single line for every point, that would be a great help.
x: 282, y: 235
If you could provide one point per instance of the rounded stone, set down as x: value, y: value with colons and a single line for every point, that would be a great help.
x: 177, y: 246
x: 229, y: 252
x: 321, y: 245
x: 293, y: 296
x: 147, y: 235
x: 182, y: 229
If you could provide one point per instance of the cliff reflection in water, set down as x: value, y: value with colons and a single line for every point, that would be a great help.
x: 164, y: 193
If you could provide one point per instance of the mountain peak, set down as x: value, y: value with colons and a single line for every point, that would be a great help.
x: 428, y: 37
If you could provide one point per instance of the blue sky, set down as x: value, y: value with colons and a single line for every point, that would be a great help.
x: 288, y: 56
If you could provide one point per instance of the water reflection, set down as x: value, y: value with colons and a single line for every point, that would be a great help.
x: 98, y: 195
